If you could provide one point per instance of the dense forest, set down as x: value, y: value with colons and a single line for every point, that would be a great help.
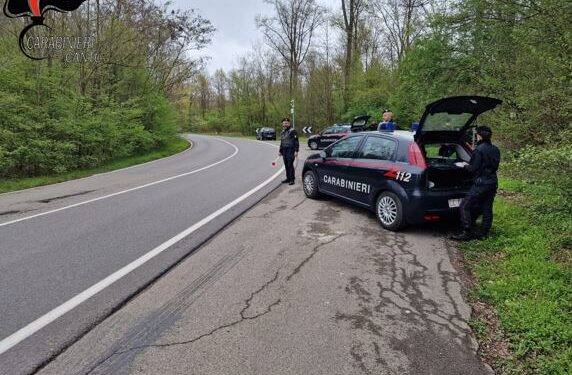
x: 83, y: 107
x: 368, y: 55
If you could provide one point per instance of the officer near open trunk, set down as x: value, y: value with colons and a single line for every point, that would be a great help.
x: 479, y: 200
x: 289, y: 147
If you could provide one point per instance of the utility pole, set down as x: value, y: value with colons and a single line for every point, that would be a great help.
x: 293, y: 112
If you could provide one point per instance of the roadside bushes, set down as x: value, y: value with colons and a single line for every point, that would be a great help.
x: 81, y: 140
x: 548, y: 170
x: 48, y: 128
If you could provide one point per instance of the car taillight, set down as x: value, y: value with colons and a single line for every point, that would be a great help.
x: 431, y: 218
x: 416, y: 157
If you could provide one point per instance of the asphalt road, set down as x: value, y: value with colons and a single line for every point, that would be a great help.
x: 294, y: 286
x: 57, y: 242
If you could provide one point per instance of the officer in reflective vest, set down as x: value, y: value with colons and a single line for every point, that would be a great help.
x: 483, y: 166
x: 289, y: 147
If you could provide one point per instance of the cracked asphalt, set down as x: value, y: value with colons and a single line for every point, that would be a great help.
x: 294, y: 286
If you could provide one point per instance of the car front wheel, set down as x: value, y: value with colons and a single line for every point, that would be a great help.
x: 389, y: 211
x: 310, y: 185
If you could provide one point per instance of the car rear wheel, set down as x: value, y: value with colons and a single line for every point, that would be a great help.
x: 310, y: 185
x: 389, y: 211
x: 314, y: 145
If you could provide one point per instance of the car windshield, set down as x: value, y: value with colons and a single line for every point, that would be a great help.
x: 267, y: 129
x: 443, y: 121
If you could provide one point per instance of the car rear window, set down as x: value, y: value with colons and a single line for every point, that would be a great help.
x: 446, y: 121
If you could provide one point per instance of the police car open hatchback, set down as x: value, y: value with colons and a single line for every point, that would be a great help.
x: 405, y: 178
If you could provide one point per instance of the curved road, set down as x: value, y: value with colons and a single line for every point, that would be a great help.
x: 72, y: 253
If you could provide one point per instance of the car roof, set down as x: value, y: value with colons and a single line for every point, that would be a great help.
x: 399, y: 134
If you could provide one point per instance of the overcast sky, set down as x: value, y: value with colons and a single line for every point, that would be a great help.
x: 235, y: 24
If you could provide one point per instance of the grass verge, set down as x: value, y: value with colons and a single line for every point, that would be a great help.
x: 524, y: 282
x: 177, y: 145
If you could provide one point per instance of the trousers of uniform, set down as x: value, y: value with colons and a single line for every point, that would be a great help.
x: 288, y: 156
x: 478, y: 200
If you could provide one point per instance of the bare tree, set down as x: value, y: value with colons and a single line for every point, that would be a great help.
x: 290, y: 31
x: 402, y: 22
x: 351, y: 9
x: 220, y: 84
x: 204, y: 93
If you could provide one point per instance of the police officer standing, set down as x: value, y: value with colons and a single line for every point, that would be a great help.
x: 387, y: 124
x: 289, y: 147
x: 483, y: 166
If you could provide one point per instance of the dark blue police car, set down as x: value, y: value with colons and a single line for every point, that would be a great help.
x: 404, y: 177
x: 328, y: 136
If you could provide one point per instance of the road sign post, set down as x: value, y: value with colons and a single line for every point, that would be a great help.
x: 293, y: 112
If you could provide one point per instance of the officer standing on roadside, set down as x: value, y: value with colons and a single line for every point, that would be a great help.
x: 289, y: 147
x: 483, y: 166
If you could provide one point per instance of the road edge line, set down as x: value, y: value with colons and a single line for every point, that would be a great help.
x: 126, y: 191
x: 30, y: 329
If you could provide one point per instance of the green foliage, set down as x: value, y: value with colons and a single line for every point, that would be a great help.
x: 530, y: 289
x: 173, y: 146
x: 48, y: 128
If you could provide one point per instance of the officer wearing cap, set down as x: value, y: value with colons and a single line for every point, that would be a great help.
x: 483, y: 166
x: 289, y: 147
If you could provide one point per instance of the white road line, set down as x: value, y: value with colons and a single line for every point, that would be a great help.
x: 22, y: 334
x: 190, y: 148
x: 126, y: 191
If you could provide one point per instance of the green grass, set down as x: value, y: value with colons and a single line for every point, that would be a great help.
x: 177, y: 145
x: 524, y: 272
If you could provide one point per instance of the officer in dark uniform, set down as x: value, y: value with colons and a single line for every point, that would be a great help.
x: 483, y: 166
x: 289, y: 147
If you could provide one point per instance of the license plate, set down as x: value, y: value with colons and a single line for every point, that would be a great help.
x: 455, y: 203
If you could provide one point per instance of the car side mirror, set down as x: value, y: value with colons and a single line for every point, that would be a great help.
x: 323, y: 154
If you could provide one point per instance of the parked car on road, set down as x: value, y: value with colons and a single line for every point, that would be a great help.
x: 404, y: 177
x: 328, y: 136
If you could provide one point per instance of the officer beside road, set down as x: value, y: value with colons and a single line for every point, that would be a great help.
x: 387, y: 124
x: 289, y: 147
x: 483, y: 166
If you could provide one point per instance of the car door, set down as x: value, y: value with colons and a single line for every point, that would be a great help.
x: 341, y: 132
x: 327, y: 137
x: 332, y: 172
x: 372, y: 163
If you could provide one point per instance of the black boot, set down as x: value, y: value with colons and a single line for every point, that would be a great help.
x: 285, y: 181
x: 463, y: 235
x: 479, y: 234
